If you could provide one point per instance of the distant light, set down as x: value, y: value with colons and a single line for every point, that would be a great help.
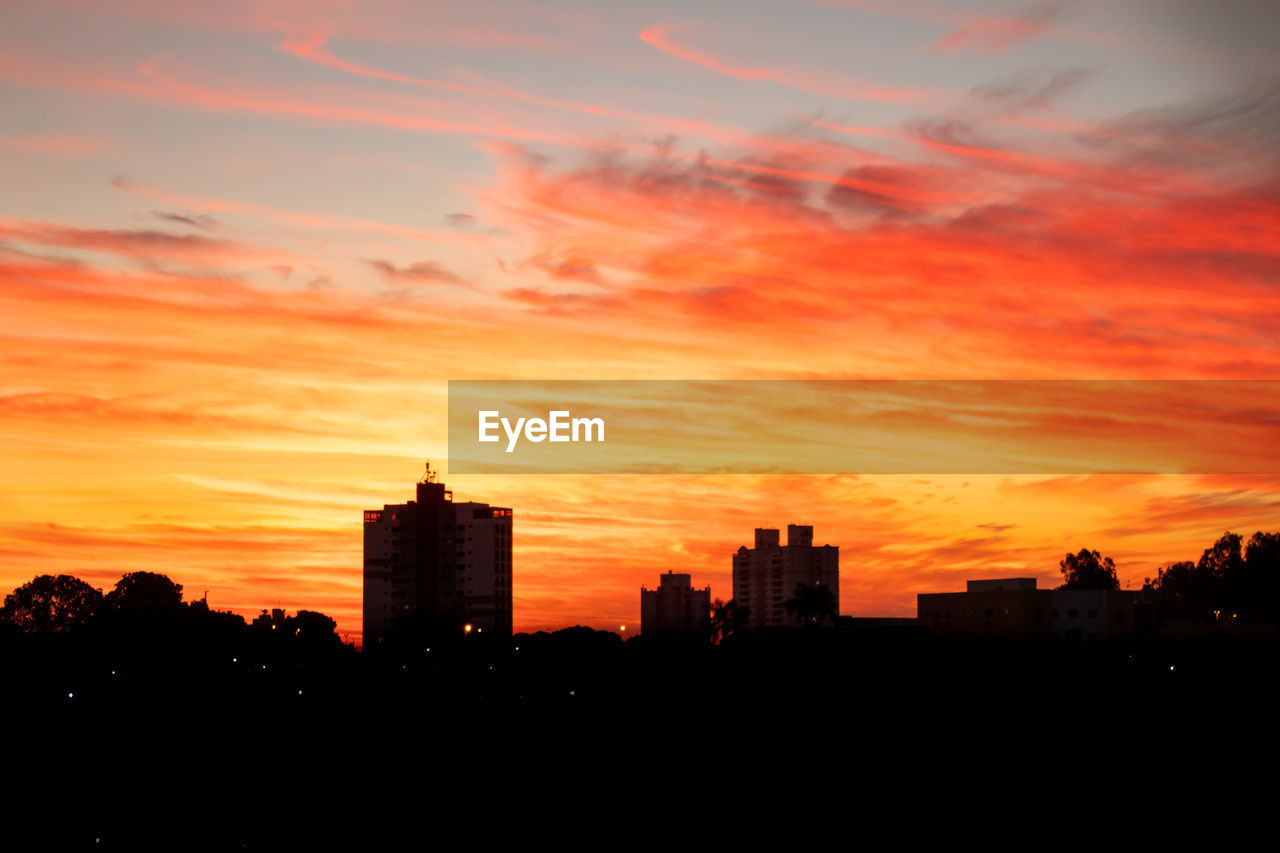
x: 466, y: 629
x: 1171, y: 667
x: 299, y: 692
x: 71, y: 695
x: 622, y: 627
x: 235, y: 660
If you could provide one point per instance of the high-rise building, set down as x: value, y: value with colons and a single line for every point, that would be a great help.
x: 440, y: 565
x: 675, y: 608
x: 767, y: 576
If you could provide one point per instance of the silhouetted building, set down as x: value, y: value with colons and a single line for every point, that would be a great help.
x: 1014, y: 609
x: 675, y: 607
x: 1009, y: 609
x: 437, y: 563
x: 1086, y: 616
x: 766, y: 577
x: 273, y: 622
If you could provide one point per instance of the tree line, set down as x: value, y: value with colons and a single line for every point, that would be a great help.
x: 1234, y: 578
x: 58, y: 604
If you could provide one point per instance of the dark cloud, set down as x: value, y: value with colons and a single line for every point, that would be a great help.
x: 777, y: 188
x: 1251, y: 111
x: 419, y: 272
x: 459, y: 220
x: 948, y: 131
x: 1032, y: 89
x: 131, y: 242
x: 845, y: 196
x: 1225, y: 130
x: 195, y: 220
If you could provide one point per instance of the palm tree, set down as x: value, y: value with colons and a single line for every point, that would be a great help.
x: 812, y: 605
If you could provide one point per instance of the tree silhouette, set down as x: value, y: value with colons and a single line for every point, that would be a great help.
x: 50, y: 603
x: 145, y: 591
x: 1234, y: 579
x: 1183, y: 580
x: 1222, y: 564
x: 1262, y: 574
x: 1088, y: 570
x: 812, y: 605
x: 315, y: 625
x: 725, y: 620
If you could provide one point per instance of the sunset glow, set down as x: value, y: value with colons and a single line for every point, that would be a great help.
x: 244, y: 246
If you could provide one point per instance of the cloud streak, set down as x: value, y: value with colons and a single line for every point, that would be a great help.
x: 661, y: 36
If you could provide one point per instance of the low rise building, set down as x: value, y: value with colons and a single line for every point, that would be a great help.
x: 1015, y: 609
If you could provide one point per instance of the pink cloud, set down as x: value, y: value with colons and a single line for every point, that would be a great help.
x: 835, y: 85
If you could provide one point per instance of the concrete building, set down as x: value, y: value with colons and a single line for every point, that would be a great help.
x: 438, y: 564
x: 675, y: 608
x: 1083, y: 617
x: 766, y: 577
x: 1014, y: 609
x: 1008, y: 609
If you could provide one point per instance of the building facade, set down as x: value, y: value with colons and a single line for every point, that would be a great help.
x: 1014, y: 609
x: 675, y: 608
x: 437, y: 564
x: 767, y: 576
x: 1007, y: 608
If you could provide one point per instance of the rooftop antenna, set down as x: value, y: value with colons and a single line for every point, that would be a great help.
x: 428, y: 476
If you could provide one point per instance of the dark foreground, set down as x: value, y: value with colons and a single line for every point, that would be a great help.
x: 240, y: 741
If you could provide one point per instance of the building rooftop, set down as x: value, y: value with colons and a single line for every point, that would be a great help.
x: 998, y: 584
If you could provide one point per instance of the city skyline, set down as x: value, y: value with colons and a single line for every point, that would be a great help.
x: 245, y: 246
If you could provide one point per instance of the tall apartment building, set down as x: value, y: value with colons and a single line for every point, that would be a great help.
x: 675, y: 608
x: 766, y: 577
x: 438, y: 564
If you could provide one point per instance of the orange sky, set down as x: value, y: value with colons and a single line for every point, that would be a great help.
x: 243, y: 247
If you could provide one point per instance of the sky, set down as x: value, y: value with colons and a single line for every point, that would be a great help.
x: 244, y: 246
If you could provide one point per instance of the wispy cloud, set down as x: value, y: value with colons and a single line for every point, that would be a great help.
x: 823, y: 83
